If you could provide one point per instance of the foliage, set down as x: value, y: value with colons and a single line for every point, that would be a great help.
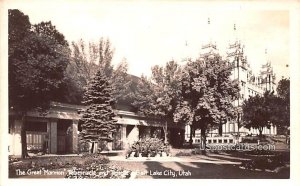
x: 94, y: 158
x: 83, y: 146
x: 183, y: 153
x: 207, y: 94
x: 46, y: 29
x: 159, y: 95
x: 254, y: 139
x: 36, y: 64
x: 262, y: 111
x: 86, y: 163
x: 97, y: 121
x: 98, y: 171
x: 149, y: 147
x: 283, y: 89
x: 86, y: 60
x: 283, y: 116
x: 48, y: 163
x: 266, y: 162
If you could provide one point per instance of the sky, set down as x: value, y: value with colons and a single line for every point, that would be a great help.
x: 149, y: 34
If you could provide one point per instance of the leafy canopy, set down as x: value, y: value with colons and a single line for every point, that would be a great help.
x: 37, y: 61
x: 207, y: 93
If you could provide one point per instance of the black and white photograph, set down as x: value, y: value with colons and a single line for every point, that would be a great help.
x: 149, y: 90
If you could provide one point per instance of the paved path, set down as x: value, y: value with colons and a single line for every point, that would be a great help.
x: 214, y: 166
x: 173, y: 159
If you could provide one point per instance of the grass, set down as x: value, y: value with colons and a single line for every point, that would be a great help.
x: 212, y: 168
x: 197, y: 170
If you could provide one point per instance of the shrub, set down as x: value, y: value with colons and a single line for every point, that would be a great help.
x: 261, y: 152
x: 96, y: 163
x: 263, y: 163
x: 149, y: 147
x: 83, y: 146
x: 98, y: 171
x: 94, y: 158
x: 12, y: 159
x: 183, y: 153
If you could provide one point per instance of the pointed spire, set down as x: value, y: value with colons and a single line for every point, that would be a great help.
x: 208, y: 21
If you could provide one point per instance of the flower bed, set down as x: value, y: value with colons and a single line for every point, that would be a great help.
x: 268, y: 162
x: 258, y: 152
x: 98, y: 171
x: 76, y: 167
x: 149, y: 147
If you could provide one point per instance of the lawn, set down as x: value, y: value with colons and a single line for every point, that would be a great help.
x: 210, y: 166
x: 196, y: 170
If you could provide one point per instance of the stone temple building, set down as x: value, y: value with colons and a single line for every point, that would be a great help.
x: 250, y: 85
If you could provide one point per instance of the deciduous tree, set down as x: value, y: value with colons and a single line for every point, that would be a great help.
x: 283, y: 107
x: 37, y: 61
x: 207, y: 94
x: 158, y: 96
x: 86, y: 60
x: 258, y: 111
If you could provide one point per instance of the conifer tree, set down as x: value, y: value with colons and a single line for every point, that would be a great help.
x: 97, y: 122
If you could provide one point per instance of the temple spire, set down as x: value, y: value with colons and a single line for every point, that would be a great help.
x: 208, y: 48
x: 235, y: 35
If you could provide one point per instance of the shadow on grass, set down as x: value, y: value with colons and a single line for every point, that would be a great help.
x: 225, y: 171
x: 199, y: 170
x: 157, y: 170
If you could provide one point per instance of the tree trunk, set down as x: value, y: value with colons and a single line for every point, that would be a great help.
x: 23, y: 137
x: 203, y: 140
x: 260, y: 129
x: 93, y: 147
x: 191, y: 136
x: 166, y: 132
x: 220, y: 129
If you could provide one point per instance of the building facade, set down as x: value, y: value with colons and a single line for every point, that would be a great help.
x: 57, y: 131
x: 250, y: 85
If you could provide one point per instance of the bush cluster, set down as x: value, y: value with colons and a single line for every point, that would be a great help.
x: 98, y: 171
x: 12, y: 159
x: 149, y: 147
x: 266, y: 162
x: 48, y: 163
x: 94, y: 158
x: 261, y: 152
x: 97, y: 163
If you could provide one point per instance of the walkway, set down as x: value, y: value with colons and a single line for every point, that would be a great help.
x: 211, y: 166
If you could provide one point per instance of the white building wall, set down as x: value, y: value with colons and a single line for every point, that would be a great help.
x: 15, y: 143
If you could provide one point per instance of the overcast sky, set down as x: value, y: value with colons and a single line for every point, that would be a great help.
x: 149, y: 34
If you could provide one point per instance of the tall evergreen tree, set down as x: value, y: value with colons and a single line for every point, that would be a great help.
x: 97, y: 122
